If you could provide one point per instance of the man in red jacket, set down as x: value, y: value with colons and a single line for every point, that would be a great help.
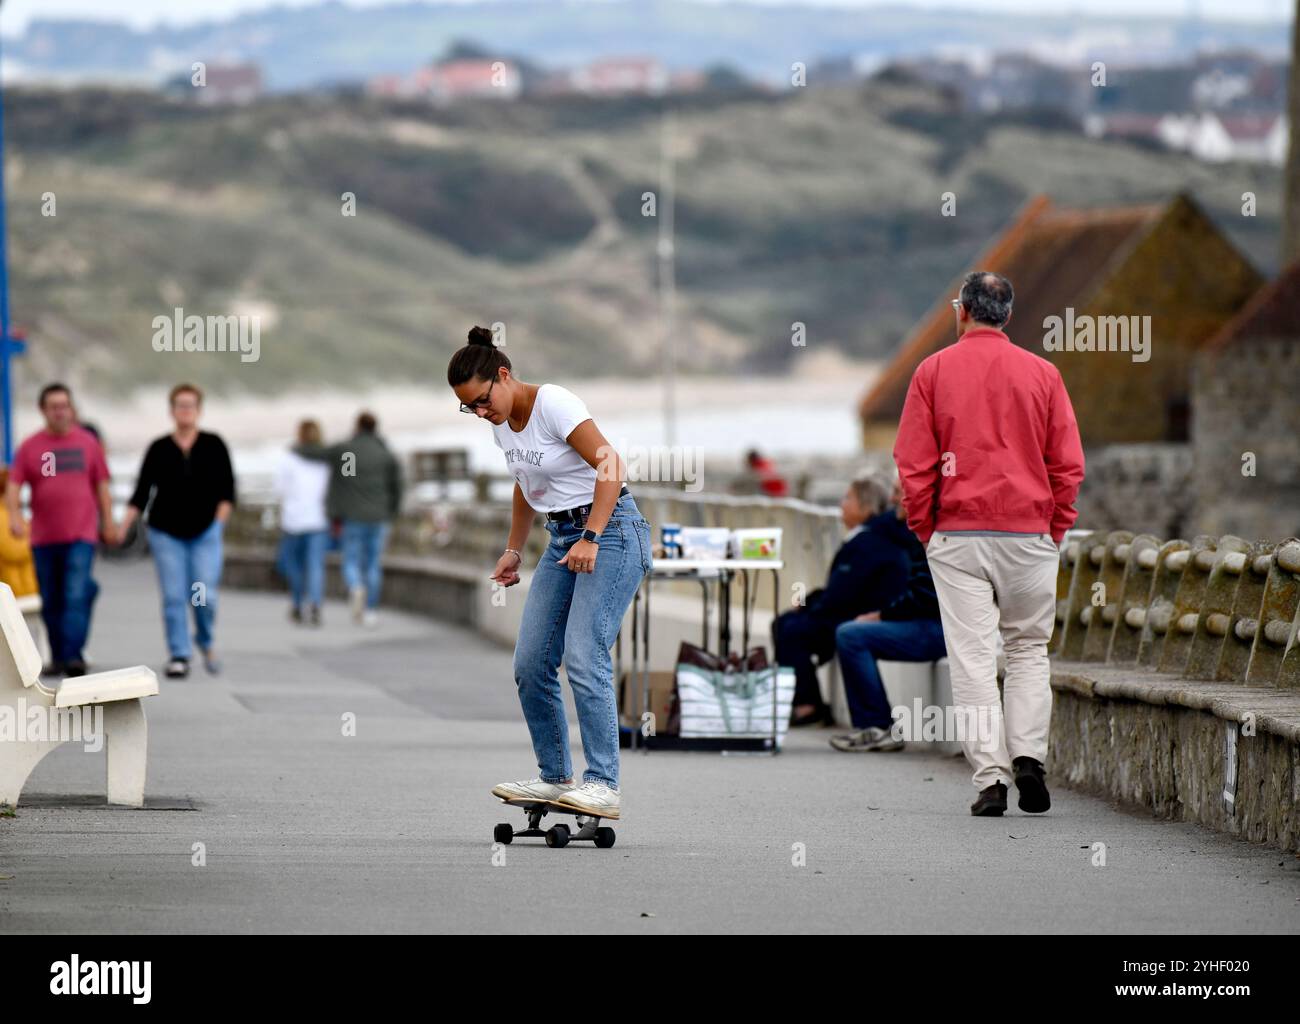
x: 989, y: 457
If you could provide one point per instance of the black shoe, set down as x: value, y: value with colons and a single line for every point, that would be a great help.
x: 818, y: 716
x: 991, y: 803
x: 295, y: 614
x: 74, y: 668
x: 54, y: 668
x: 315, y: 615
x: 1033, y: 789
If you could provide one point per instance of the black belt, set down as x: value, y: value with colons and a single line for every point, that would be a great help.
x: 578, y: 514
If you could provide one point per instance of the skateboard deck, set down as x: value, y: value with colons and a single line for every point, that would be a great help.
x: 589, y: 828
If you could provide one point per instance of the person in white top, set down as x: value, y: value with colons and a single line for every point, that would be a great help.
x: 301, y: 485
x: 584, y: 581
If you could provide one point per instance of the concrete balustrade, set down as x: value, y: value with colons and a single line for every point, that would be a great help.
x: 1171, y: 559
x: 1219, y: 608
x: 1276, y: 622
x: 1142, y: 555
x: 1210, y: 625
x: 1087, y: 564
x: 1195, y: 577
x: 1243, y: 622
x: 1106, y: 593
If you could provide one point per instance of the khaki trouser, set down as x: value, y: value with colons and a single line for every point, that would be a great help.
x: 986, y: 585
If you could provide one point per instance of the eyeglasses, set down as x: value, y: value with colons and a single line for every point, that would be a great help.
x: 479, y: 403
x: 956, y: 303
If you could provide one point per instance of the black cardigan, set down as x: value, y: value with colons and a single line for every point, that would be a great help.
x: 186, y: 489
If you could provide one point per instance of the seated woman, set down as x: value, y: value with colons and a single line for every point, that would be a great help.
x: 868, y: 572
x: 907, y: 629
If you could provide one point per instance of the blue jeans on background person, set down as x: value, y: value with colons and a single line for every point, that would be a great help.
x: 182, y: 564
x: 861, y: 644
x: 67, y: 594
x: 363, y: 551
x: 304, y: 566
x: 575, y: 617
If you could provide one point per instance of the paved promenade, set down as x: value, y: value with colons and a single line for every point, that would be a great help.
x: 305, y: 829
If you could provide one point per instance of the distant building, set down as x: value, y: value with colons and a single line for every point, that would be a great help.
x: 1133, y: 127
x: 1166, y: 261
x: 1214, y: 137
x: 474, y: 79
x: 1005, y: 82
x: 1250, y: 138
x: 452, y: 81
x: 621, y: 76
x: 1246, y: 418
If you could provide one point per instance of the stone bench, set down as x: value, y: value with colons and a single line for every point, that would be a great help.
x: 118, y: 692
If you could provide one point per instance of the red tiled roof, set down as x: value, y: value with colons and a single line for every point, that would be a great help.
x: 467, y: 73
x: 1053, y: 257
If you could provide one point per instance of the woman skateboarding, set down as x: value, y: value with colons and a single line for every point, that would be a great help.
x: 583, y: 583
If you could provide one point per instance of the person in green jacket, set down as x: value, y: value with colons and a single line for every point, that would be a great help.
x: 365, y: 492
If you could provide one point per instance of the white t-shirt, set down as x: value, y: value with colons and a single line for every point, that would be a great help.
x: 552, y: 475
x: 301, y: 485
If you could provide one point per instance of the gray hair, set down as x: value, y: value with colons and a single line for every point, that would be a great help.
x: 988, y: 297
x: 872, y: 494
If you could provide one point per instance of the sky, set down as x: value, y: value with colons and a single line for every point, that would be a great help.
x: 15, y: 14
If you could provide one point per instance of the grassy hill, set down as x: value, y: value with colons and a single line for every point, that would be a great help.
x: 821, y: 206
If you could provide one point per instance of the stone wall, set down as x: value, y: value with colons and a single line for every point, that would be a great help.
x: 1173, y: 760
x: 1246, y: 399
x: 1140, y: 487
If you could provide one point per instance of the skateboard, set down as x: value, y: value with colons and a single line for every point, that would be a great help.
x: 589, y: 825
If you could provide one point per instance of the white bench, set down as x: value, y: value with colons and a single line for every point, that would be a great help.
x: 30, y: 606
x: 21, y: 689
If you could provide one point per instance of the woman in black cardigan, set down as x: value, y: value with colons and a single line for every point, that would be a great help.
x: 189, y: 477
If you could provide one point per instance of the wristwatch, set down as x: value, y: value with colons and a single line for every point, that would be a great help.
x: 592, y: 536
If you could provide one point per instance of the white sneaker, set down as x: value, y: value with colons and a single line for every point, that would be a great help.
x: 357, y: 601
x: 866, y: 741
x: 531, y: 789
x: 370, y: 619
x: 594, y: 797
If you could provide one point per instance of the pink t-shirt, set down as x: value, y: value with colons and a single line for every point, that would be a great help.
x: 64, y: 474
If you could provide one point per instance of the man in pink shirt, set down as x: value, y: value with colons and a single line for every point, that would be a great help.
x: 990, y: 460
x: 64, y: 467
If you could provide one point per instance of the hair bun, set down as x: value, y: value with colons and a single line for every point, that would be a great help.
x: 480, y: 336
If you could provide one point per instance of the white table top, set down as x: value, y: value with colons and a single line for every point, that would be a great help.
x: 681, y: 566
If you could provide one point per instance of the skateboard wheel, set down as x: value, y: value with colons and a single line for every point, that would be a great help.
x: 604, y: 837
x: 503, y: 834
x: 558, y: 836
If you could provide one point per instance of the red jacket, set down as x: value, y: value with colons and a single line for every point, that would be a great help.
x: 988, y: 441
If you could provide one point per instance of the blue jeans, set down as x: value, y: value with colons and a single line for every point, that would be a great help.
x: 67, y: 593
x: 575, y: 617
x: 304, y: 566
x: 189, y: 573
x: 363, y: 551
x: 859, y: 645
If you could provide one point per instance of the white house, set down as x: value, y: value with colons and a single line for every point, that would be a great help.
x: 1250, y: 138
